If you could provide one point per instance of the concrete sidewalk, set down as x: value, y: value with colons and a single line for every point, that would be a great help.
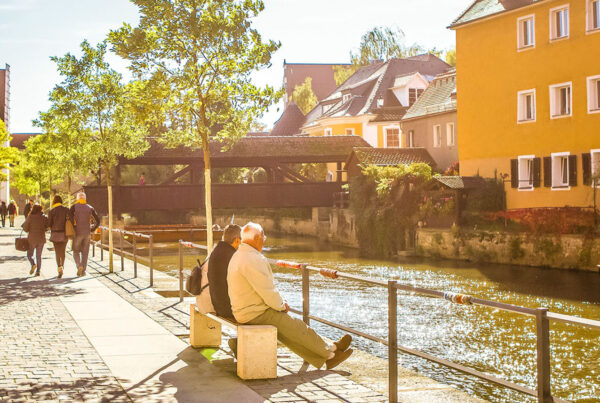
x: 75, y: 339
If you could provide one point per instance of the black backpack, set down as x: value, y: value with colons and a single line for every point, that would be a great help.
x: 193, y: 283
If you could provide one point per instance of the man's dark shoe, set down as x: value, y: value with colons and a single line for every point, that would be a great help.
x: 232, y: 343
x: 338, y: 358
x: 37, y: 273
x: 343, y: 343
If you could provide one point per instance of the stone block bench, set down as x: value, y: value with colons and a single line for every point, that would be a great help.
x: 256, y: 349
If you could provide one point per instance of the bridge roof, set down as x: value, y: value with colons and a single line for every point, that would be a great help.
x: 257, y: 151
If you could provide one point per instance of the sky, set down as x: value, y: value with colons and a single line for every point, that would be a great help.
x: 310, y: 31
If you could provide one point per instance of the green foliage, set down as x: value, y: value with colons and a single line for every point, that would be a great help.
x: 304, y: 96
x: 487, y: 198
x: 515, y: 249
x: 8, y: 155
x: 451, y: 57
x: 342, y: 73
x: 385, y: 206
x: 546, y: 246
x: 197, y: 59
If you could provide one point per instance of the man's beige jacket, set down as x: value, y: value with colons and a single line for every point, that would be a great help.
x: 251, y: 287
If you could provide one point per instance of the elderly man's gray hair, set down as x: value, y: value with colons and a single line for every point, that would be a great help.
x: 251, y: 231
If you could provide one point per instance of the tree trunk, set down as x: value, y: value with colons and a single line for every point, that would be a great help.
x: 110, y: 218
x: 69, y: 180
x: 208, y: 196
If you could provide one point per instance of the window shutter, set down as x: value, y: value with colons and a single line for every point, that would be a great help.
x: 586, y: 165
x: 514, y: 173
x: 547, y: 172
x: 537, y: 172
x: 572, y: 170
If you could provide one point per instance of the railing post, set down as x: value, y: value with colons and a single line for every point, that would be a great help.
x: 151, y: 248
x: 180, y: 271
x: 542, y: 326
x: 134, y: 243
x: 305, y: 294
x: 101, y: 248
x: 392, y: 341
x: 122, y: 251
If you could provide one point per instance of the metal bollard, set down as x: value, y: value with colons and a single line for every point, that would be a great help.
x: 180, y: 271
x: 542, y: 327
x: 151, y: 256
x: 122, y: 251
x: 305, y: 294
x: 134, y: 255
x: 392, y: 341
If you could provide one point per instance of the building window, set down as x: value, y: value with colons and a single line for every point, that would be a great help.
x: 328, y: 132
x: 392, y: 137
x: 380, y: 102
x: 350, y: 132
x: 411, y: 138
x: 450, y: 134
x: 437, y: 136
x: 593, y: 15
x: 560, y: 170
x: 559, y: 22
x: 560, y: 100
x: 346, y: 98
x: 526, y: 106
x: 413, y: 95
x: 526, y: 32
x: 526, y: 170
x: 593, y: 94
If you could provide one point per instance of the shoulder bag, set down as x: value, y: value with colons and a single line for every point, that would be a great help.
x: 22, y: 243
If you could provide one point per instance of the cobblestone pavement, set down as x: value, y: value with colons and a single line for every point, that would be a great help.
x: 44, y: 356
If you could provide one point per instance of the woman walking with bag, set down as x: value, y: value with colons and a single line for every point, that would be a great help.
x: 35, y: 225
x: 57, y: 221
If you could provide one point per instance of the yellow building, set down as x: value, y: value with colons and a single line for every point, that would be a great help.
x: 528, y: 80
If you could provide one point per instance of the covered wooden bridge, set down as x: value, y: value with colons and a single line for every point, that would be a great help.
x: 284, y: 187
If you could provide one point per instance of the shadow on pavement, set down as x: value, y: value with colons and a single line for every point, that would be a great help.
x: 25, y: 288
x: 101, y: 389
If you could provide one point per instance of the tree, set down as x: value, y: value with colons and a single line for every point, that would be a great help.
x: 383, y: 43
x: 451, y: 57
x: 304, y: 96
x: 8, y: 154
x: 99, y: 108
x: 342, y: 73
x: 201, y: 54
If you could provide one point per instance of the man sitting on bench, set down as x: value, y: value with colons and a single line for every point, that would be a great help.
x: 217, y: 270
x: 255, y: 300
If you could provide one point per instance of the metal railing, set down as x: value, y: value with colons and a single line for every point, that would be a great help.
x: 542, y: 317
x: 121, y: 249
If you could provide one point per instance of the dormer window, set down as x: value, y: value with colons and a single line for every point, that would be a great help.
x: 413, y: 95
x: 346, y: 98
x: 380, y: 102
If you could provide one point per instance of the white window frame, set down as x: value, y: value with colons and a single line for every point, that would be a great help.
x: 346, y: 98
x: 450, y: 134
x: 553, y: 28
x: 593, y: 90
x: 554, y: 99
x: 555, y: 168
x: 522, y: 106
x: 437, y: 140
x: 525, y: 162
x: 589, y: 17
x: 595, y: 168
x: 520, y: 38
x: 385, y: 142
x: 350, y: 130
x: 411, y: 138
x: 328, y: 131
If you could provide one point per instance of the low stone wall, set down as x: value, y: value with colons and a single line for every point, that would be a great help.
x: 556, y: 251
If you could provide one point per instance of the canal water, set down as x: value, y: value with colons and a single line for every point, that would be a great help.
x: 497, y: 342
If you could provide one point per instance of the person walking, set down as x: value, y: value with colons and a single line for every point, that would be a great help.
x: 35, y: 225
x: 57, y: 220
x: 3, y: 213
x: 85, y: 221
x: 28, y: 207
x: 12, y: 212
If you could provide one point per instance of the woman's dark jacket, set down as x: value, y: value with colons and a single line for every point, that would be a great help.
x: 12, y: 209
x: 35, y: 225
x: 217, y: 278
x: 57, y: 218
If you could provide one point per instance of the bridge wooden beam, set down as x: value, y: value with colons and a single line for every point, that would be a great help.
x: 178, y: 174
x: 294, y: 176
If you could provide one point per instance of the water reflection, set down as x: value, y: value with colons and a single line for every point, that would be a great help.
x: 493, y: 341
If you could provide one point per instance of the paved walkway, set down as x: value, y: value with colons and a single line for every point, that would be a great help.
x: 109, y: 337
